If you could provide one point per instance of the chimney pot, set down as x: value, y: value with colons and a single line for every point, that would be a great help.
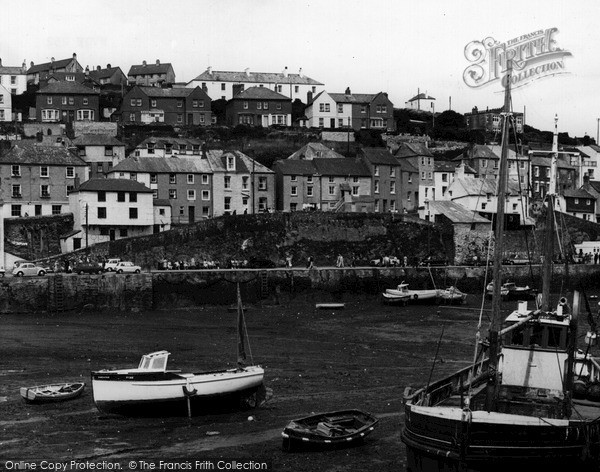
x: 247, y: 71
x: 144, y: 63
x: 31, y: 64
x: 348, y: 92
x: 209, y: 70
x: 300, y: 72
x: 98, y: 68
x: 0, y: 62
x: 74, y: 56
x: 108, y: 66
x: 158, y: 62
x: 52, y: 59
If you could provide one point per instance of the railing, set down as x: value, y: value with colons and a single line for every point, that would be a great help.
x: 339, y: 206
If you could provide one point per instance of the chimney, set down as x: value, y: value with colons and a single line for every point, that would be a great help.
x: 1, y: 62
x: 204, y: 87
x: 300, y: 73
x: 51, y: 60
x: 348, y: 92
x: 74, y: 56
x: 144, y: 63
x: 204, y: 151
x: 309, y: 98
x: 209, y: 70
x: 586, y: 179
x: 87, y: 70
x: 247, y: 71
x: 108, y: 66
x: 98, y: 68
x: 474, y: 110
x: 31, y: 64
x: 24, y: 66
x: 76, y: 183
x: 158, y: 62
x: 285, y: 71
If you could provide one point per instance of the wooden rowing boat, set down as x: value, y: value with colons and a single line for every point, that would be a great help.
x: 330, y: 306
x: 328, y: 430
x: 52, y: 393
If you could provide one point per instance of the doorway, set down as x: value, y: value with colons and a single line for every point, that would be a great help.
x: 191, y: 214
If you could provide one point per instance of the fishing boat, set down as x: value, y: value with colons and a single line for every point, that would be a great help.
x: 516, y: 406
x: 452, y: 295
x: 511, y: 291
x: 52, y: 393
x: 328, y: 430
x: 330, y: 306
x: 152, y: 388
x: 401, y: 299
x: 402, y: 290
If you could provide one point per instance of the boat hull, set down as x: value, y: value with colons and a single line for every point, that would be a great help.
x: 164, y: 392
x: 51, y: 393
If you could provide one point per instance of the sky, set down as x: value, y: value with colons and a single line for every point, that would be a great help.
x: 396, y: 46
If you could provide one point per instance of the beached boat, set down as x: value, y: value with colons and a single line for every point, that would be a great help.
x: 328, y: 430
x: 517, y: 409
x: 402, y: 290
x: 511, y: 291
x: 452, y: 295
x: 52, y: 393
x: 151, y: 387
x: 400, y: 299
x: 330, y: 306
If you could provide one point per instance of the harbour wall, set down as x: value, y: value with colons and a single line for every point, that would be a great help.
x: 163, y: 290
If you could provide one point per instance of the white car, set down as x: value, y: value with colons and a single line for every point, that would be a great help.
x: 111, y: 265
x: 28, y: 268
x: 125, y: 267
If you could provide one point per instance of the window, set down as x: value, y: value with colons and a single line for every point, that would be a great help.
x: 133, y: 175
x: 230, y: 163
x: 108, y: 150
x: 324, y: 107
x: 70, y: 172
x: 321, y: 122
x: 244, y: 201
x: 85, y: 115
x: 363, y: 108
x: 15, y: 210
x: 182, y: 148
x: 64, y: 100
x: 278, y: 106
x: 375, y: 170
x: 355, y: 190
x: 49, y: 100
x: 409, y: 178
x: 262, y: 183
x: 69, y: 189
x: 293, y: 178
x: 155, y: 194
x: 172, y: 194
x: 483, y: 205
x: 392, y: 171
x: 190, y: 178
x: 205, y: 195
x: 294, y: 191
x: 265, y: 105
x: 331, y: 179
x: 227, y: 203
x: 296, y: 88
x: 376, y: 205
x: 44, y: 191
x: 56, y: 209
x: 50, y: 115
x: 123, y: 232
x: 245, y: 105
x: 101, y: 196
x: 191, y: 194
x: 309, y: 179
x: 13, y: 80
x: 259, y: 105
x: 153, y: 178
x: 392, y: 187
x: 71, y: 101
x: 332, y: 190
x: 85, y: 100
x: 132, y: 102
x: 262, y: 204
x: 340, y: 108
x: 44, y: 171
x: 577, y: 201
x: 153, y: 103
x: 172, y: 178
x: 376, y: 186
x: 222, y: 86
x: 16, y: 190
x: 179, y: 103
x: 179, y: 118
x: 227, y: 182
x: 293, y: 206
x: 139, y: 102
x: 133, y: 213
x: 168, y: 148
x: 102, y: 212
x: 408, y: 195
x: 132, y: 117
x: 132, y: 196
x: 309, y: 191
x: 120, y: 196
x: 205, y: 179
x: 340, y: 122
x: 422, y: 175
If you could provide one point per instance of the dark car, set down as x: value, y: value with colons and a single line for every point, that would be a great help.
x: 515, y: 259
x: 87, y: 268
x: 432, y: 262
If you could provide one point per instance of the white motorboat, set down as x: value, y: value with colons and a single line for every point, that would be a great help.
x: 403, y: 291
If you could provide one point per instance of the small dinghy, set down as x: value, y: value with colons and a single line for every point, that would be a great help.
x: 330, y: 306
x: 52, y: 393
x: 328, y: 430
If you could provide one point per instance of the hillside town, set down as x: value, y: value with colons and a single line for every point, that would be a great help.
x: 132, y: 154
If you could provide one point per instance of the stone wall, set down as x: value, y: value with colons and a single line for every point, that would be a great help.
x: 36, y: 237
x: 94, y: 127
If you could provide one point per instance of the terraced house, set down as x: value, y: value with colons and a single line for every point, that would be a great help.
x: 63, y: 65
x: 36, y: 178
x: 14, y: 79
x: 100, y: 151
x: 151, y: 74
x: 168, y: 147
x: 387, y: 179
x: 186, y: 183
x: 175, y: 106
x: 259, y: 106
x: 67, y: 102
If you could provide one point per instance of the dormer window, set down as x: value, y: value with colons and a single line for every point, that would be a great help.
x: 230, y: 163
x: 70, y: 78
x: 150, y: 148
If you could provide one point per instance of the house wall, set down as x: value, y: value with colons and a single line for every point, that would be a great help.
x: 261, y: 117
x: 16, y: 82
x: 314, y: 114
x: 5, y: 104
x: 65, y: 110
x: 409, y: 188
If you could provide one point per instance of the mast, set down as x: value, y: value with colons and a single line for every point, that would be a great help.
x: 549, y: 243
x: 241, y: 345
x: 498, y: 246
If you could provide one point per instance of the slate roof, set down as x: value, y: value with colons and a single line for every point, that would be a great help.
x: 482, y: 186
x: 103, y: 73
x: 161, y: 202
x: 160, y: 142
x: 353, y: 97
x: 456, y: 213
x: 30, y: 152
x: 96, y: 140
x: 160, y: 92
x: 149, y: 69
x: 444, y: 166
x: 379, y: 156
x: 547, y: 162
x: 421, y: 96
x: 171, y: 165
x: 577, y: 193
x: 218, y: 162
x: 295, y: 167
x: 113, y: 185
x: 6, y: 70
x: 406, y: 166
x: 67, y: 88
x: 413, y: 150
x: 310, y: 150
x: 595, y: 185
x: 344, y: 166
x: 260, y: 93
x: 256, y: 77
x: 50, y: 65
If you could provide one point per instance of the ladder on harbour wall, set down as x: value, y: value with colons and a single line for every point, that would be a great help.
x: 264, y: 285
x: 58, y: 294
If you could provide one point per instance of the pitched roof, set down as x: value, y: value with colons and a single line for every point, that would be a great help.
x: 547, y: 162
x: 260, y: 93
x: 353, y: 97
x: 149, y: 69
x: 421, y: 96
x: 170, y: 165
x: 103, y: 73
x: 161, y: 142
x: 577, y: 193
x: 160, y: 92
x: 256, y: 77
x: 312, y: 150
x: 444, y: 166
x: 294, y: 167
x: 413, y: 150
x: 67, y: 88
x: 96, y: 140
x: 218, y: 162
x: 31, y: 152
x: 482, y: 186
x: 379, y: 156
x: 12, y: 70
x: 113, y: 185
x: 595, y: 185
x: 343, y: 166
x: 406, y: 166
x: 50, y: 65
x: 456, y: 213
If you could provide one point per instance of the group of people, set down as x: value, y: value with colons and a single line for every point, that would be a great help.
x: 589, y: 258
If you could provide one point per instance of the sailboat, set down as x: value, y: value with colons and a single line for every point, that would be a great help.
x: 529, y: 399
x: 152, y: 388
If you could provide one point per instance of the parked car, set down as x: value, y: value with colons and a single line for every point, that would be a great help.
x: 126, y: 267
x: 87, y: 268
x: 29, y: 269
x: 432, y: 262
x: 515, y: 259
x: 111, y: 265
x: 385, y: 261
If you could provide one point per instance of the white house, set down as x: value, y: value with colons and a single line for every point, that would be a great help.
x: 109, y: 209
x: 325, y: 112
x: 444, y: 173
x: 168, y: 147
x: 5, y: 104
x: 14, y: 79
x: 591, y: 161
x: 421, y: 101
x: 102, y: 152
x: 226, y: 84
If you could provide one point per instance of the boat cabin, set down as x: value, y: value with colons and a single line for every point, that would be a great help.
x: 155, y: 361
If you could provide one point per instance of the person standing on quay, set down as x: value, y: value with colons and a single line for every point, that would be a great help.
x: 340, y: 261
